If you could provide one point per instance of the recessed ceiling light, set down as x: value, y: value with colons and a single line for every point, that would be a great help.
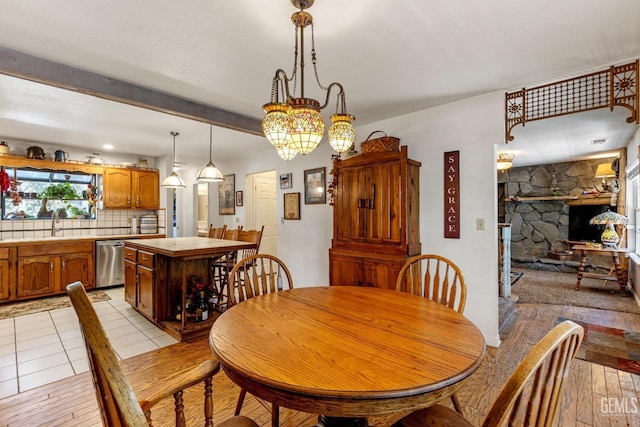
x: 107, y: 147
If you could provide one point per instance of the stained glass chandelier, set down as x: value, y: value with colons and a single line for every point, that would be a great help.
x: 295, y: 123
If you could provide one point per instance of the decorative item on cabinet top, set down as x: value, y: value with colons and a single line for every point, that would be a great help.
x: 382, y: 144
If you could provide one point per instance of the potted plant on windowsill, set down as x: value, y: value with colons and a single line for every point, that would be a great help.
x: 61, y: 191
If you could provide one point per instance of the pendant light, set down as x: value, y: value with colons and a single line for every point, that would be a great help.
x: 210, y: 173
x: 173, y: 180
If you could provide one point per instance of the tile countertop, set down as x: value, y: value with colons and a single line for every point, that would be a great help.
x: 72, y: 239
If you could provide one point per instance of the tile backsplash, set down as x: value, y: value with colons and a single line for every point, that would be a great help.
x: 110, y: 222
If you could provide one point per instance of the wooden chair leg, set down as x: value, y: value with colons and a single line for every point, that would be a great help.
x: 208, y: 403
x: 180, y: 421
x: 456, y: 404
x: 243, y: 393
x: 275, y: 415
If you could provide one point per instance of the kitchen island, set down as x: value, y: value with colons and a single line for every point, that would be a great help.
x: 157, y: 275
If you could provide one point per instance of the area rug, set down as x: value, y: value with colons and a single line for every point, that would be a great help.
x: 22, y: 308
x: 615, y: 348
x: 544, y: 287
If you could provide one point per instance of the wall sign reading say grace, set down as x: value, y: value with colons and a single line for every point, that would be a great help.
x: 452, y: 194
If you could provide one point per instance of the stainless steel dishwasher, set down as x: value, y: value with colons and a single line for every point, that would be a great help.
x: 109, y: 263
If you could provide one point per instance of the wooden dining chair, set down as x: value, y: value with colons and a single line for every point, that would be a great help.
x: 442, y: 282
x: 253, y: 236
x: 224, y: 266
x: 220, y: 267
x: 116, y: 399
x: 434, y: 277
x: 531, y: 396
x: 253, y: 276
x: 217, y: 232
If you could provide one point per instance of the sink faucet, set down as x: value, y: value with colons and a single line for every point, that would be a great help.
x: 55, y: 218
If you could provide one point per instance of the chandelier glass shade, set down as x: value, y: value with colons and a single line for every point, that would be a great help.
x: 286, y: 152
x: 275, y: 124
x: 210, y: 173
x: 341, y: 133
x: 306, y: 128
x: 296, y: 121
x: 173, y: 180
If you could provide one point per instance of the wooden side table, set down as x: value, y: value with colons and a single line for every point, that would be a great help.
x: 615, y: 254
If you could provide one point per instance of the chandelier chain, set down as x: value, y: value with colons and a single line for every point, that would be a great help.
x: 313, y: 58
x: 295, y: 65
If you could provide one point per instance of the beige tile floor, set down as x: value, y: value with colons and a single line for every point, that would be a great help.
x: 41, y: 348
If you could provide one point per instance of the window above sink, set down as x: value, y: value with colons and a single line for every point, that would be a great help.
x: 38, y: 193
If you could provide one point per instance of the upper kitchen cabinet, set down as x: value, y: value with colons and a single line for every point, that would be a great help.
x: 131, y: 189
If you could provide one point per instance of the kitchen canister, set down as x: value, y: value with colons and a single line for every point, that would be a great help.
x: 148, y: 224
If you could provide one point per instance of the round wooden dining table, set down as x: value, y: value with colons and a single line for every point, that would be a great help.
x: 345, y: 352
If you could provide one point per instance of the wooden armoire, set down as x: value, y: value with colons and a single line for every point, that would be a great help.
x: 376, y: 218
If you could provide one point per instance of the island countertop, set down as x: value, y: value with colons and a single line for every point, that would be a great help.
x: 187, y: 246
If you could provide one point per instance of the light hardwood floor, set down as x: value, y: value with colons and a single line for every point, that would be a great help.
x: 71, y: 402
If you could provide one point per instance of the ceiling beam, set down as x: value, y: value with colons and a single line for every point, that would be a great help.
x: 22, y: 65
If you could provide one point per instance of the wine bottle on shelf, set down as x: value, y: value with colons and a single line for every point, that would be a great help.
x: 204, y: 307
x: 191, y: 310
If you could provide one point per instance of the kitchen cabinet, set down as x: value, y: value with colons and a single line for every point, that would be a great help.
x: 375, y: 218
x: 139, y: 281
x: 130, y: 275
x: 158, y: 272
x: 4, y: 274
x: 47, y: 269
x: 131, y: 189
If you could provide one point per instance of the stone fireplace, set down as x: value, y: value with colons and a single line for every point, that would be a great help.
x: 549, y: 207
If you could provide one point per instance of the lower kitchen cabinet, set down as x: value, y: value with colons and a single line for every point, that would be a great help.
x: 139, y: 281
x: 4, y: 274
x: 47, y: 269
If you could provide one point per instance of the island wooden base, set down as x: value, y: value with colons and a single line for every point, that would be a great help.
x: 190, y: 331
x: 157, y: 277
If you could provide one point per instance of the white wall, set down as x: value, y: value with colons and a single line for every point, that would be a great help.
x: 472, y: 126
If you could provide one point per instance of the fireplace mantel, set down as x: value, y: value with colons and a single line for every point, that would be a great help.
x: 583, y: 199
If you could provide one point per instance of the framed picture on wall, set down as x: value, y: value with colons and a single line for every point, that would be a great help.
x: 315, y: 185
x: 239, y: 200
x: 226, y: 195
x: 285, y: 181
x: 292, y: 206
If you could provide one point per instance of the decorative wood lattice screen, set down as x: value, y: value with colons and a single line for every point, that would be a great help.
x: 606, y: 88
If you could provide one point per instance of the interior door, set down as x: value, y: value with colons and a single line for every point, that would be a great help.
x: 264, y: 209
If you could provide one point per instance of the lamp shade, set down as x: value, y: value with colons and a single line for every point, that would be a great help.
x: 306, y: 128
x: 504, y: 161
x: 173, y: 181
x: 274, y: 124
x: 286, y: 153
x: 210, y: 173
x: 341, y: 132
x: 608, y: 217
x: 604, y: 171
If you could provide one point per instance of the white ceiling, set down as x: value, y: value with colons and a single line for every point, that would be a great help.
x: 392, y: 57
